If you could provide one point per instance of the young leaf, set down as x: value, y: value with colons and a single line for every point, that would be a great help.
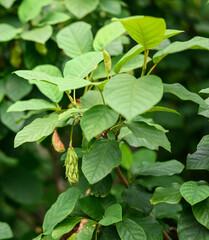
x: 194, y: 43
x: 32, y: 104
x: 107, y: 34
x: 80, y: 8
x: 145, y: 30
x: 128, y: 229
x: 170, y: 195
x: 75, y: 39
x: 5, y: 231
x: 60, y: 209
x: 113, y: 214
x: 102, y: 158
x: 82, y: 65
x: 97, y: 119
x: 53, y: 18
x: 134, y: 96
x: 8, y: 32
x: 171, y: 32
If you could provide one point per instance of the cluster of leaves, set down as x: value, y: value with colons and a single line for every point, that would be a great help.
x: 120, y: 194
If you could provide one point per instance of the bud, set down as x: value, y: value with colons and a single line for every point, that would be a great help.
x: 57, y: 143
x: 71, y: 165
x: 107, y: 61
x: 41, y: 48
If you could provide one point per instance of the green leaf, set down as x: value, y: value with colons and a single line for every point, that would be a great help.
x: 113, y: 214
x: 151, y: 134
x: 194, y: 43
x: 91, y: 98
x: 92, y: 207
x: 8, y: 32
x: 22, y: 186
x: 111, y: 6
x: 10, y: 119
x: 54, y: 18
x: 82, y: 65
x: 167, y: 168
x: 107, y: 34
x: 199, y: 159
x: 171, y: 32
x: 63, y: 206
x: 201, y: 212
x: 189, y: 228
x: 70, y: 113
x: 5, y: 231
x: 128, y: 229
x: 145, y: 30
x: 163, y: 109
x: 48, y: 89
x: 7, y: 3
x: 11, y: 161
x: 127, y: 157
x: 39, y: 128
x: 81, y: 8
x: 203, y: 141
x: 134, y: 96
x: 108, y: 233
x: 194, y: 193
x: 65, y: 226
x: 97, y: 119
x: 170, y: 194
x: 136, y: 197
x: 182, y: 93
x: 103, y: 157
x: 39, y: 35
x: 75, y: 39
x: 32, y: 104
x: 103, y: 187
x: 27, y: 11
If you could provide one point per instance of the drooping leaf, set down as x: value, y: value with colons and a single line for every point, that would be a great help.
x: 5, y: 231
x: 101, y: 159
x: 39, y: 128
x: 128, y: 229
x: 8, y: 32
x: 81, y: 8
x: 32, y: 104
x: 194, y: 193
x: 97, y: 119
x: 150, y: 133
x: 39, y: 35
x: 134, y: 96
x: 63, y: 206
x: 145, y: 30
x: 82, y: 65
x: 113, y: 214
x: 75, y: 39
x: 170, y: 195
x: 189, y: 228
x: 194, y: 43
x: 107, y: 34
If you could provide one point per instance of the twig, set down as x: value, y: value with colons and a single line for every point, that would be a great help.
x: 166, y: 236
x: 119, y: 173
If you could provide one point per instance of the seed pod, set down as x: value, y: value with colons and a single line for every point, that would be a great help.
x: 107, y: 61
x: 71, y: 165
x: 57, y: 143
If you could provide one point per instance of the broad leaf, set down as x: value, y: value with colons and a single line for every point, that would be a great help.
x: 81, y: 8
x: 102, y: 158
x: 134, y: 96
x: 163, y: 109
x: 182, y: 93
x: 39, y: 35
x: 8, y: 32
x: 107, y: 34
x: 91, y: 98
x: 150, y: 133
x: 5, y: 231
x: 7, y: 3
x: 60, y: 209
x: 171, y: 32
x: 71, y: 113
x: 111, y: 6
x: 167, y: 168
x: 201, y: 212
x: 103, y: 187
x: 97, y: 119
x: 75, y: 39
x: 109, y: 232
x: 170, y: 195
x: 194, y: 43
x: 92, y: 207
x: 194, y: 193
x: 145, y: 30
x: 39, y: 128
x: 32, y: 104
x: 189, y: 228
x: 54, y: 18
x: 127, y: 157
x: 113, y: 214
x: 82, y: 65
x: 128, y: 229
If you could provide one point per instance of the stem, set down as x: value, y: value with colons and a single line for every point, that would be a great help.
x: 119, y: 173
x: 96, y: 231
x: 58, y: 106
x: 101, y: 95
x: 71, y: 133
x: 166, y: 236
x: 74, y: 98
x: 154, y: 66
x: 146, y: 53
x: 70, y: 98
